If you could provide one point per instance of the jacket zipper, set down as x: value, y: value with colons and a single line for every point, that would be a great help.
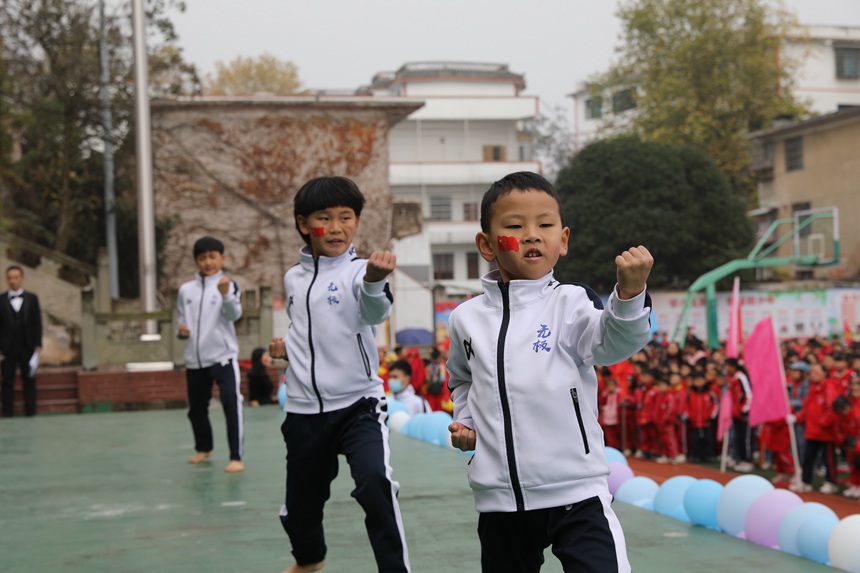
x: 364, y: 357
x: 503, y: 395
x: 310, y: 334
x: 200, y: 318
x: 575, y: 396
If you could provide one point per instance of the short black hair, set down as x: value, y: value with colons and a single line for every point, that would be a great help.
x: 323, y: 193
x: 522, y: 180
x: 206, y: 244
x: 401, y: 365
x: 14, y: 268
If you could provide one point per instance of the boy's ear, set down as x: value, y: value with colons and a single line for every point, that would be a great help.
x: 303, y: 225
x: 565, y: 237
x: 485, y: 247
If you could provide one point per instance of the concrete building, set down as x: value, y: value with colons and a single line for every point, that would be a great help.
x: 443, y: 157
x: 230, y: 167
x: 827, y: 80
x: 807, y: 166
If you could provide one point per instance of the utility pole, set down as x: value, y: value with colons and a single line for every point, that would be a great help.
x: 145, y: 202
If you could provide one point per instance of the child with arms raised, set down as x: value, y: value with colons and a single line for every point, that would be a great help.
x: 524, y: 388
x: 336, y: 401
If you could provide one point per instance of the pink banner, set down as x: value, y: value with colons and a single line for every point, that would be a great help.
x: 764, y: 364
x: 724, y: 421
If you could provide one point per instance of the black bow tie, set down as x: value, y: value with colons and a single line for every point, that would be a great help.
x: 11, y: 296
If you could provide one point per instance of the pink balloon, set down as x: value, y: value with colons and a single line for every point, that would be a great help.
x: 765, y: 516
x: 618, y: 474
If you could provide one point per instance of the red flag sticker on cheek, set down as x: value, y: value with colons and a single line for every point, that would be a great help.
x: 318, y: 231
x: 508, y: 243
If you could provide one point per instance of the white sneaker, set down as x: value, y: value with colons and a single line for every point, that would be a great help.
x: 800, y: 487
x: 780, y: 478
x: 662, y: 460
x: 828, y: 488
x: 639, y: 455
x: 627, y: 453
x: 679, y: 459
x: 852, y: 491
x: 744, y: 467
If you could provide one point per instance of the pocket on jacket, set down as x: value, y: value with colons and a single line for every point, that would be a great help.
x: 574, y: 395
x: 363, y: 353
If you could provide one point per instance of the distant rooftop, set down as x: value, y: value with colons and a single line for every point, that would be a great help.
x: 442, y: 69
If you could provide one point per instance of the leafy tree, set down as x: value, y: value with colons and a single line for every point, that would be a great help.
x: 51, y: 169
x: 704, y: 72
x: 248, y: 76
x: 619, y: 193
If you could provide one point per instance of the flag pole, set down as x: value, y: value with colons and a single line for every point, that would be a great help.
x: 791, y: 435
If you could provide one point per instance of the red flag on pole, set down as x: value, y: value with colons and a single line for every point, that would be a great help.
x: 724, y: 420
x: 734, y: 339
x: 766, y: 372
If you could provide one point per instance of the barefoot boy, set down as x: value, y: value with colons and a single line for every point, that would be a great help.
x: 208, y: 306
x: 525, y: 391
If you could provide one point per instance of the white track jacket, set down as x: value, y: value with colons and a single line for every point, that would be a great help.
x: 331, y: 344
x: 209, y: 316
x: 522, y: 363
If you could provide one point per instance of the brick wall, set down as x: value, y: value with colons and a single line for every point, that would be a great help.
x: 71, y: 391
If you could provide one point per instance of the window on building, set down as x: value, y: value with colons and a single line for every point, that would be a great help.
x: 440, y: 207
x: 443, y: 266
x: 472, y: 262
x: 470, y: 212
x: 623, y: 100
x: 594, y: 108
x: 794, y: 153
x: 495, y: 153
x: 767, y: 150
x: 847, y: 63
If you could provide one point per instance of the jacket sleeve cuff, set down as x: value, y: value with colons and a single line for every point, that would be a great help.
x: 630, y: 308
x: 376, y: 288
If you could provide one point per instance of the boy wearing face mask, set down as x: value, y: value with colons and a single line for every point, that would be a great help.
x: 400, y: 383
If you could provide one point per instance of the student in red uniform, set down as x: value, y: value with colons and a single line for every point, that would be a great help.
x: 646, y: 398
x: 666, y: 420
x: 817, y: 416
x: 700, y: 410
x: 739, y: 386
x: 841, y: 375
x: 851, y: 441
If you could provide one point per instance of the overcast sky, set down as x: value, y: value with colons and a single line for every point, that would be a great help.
x: 343, y: 43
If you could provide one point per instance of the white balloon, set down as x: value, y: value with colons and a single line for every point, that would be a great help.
x: 843, y: 547
x: 398, y: 420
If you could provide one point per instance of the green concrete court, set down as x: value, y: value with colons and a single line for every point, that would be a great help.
x: 112, y: 493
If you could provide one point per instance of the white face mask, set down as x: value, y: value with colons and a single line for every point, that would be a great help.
x: 396, y: 385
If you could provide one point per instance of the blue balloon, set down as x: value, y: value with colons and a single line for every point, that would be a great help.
x: 614, y: 455
x: 700, y: 502
x: 415, y: 426
x: 736, y: 499
x: 395, y: 406
x: 790, y: 524
x: 282, y: 394
x: 814, y: 535
x: 669, y: 499
x: 637, y: 491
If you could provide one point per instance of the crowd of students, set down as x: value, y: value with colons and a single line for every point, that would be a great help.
x: 664, y: 405
x: 420, y: 383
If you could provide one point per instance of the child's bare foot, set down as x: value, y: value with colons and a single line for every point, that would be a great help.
x: 235, y: 466
x: 199, y: 457
x: 296, y: 568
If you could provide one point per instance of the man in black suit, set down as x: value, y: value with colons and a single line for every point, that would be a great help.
x: 20, y: 339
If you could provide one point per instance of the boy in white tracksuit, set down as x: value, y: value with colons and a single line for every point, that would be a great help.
x: 208, y: 306
x: 336, y: 401
x: 524, y: 388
